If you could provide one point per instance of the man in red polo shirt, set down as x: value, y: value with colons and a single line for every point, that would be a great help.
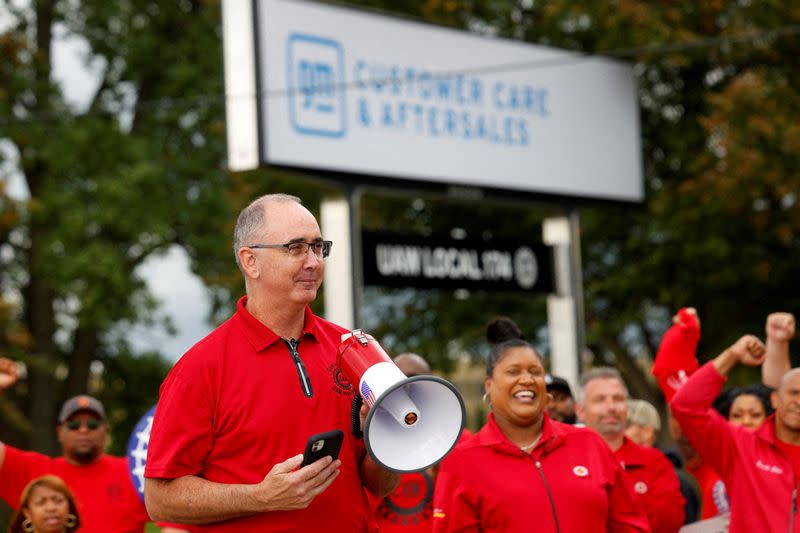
x: 104, y: 492
x: 235, y: 412
x: 604, y: 408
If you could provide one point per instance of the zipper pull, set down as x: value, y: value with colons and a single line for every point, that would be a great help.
x: 305, y: 382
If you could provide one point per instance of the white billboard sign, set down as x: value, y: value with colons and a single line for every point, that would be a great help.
x: 347, y: 91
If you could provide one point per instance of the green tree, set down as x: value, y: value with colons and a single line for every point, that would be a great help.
x: 134, y: 171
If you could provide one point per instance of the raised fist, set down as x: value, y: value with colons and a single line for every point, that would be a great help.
x: 780, y: 327
x: 8, y: 373
x: 749, y: 350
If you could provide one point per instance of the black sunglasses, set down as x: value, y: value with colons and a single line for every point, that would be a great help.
x: 91, y: 424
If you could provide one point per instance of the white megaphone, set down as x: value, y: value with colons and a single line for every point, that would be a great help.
x: 412, y: 422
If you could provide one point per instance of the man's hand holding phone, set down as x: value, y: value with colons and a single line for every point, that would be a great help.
x: 294, y: 483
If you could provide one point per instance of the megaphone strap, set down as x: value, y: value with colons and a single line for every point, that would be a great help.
x: 355, y: 416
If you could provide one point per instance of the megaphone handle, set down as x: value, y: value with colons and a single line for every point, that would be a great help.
x: 355, y: 416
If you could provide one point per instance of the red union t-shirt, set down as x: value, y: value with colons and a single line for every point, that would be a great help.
x: 106, y: 498
x: 409, y: 508
x: 234, y: 406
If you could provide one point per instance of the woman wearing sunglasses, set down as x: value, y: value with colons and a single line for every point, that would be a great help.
x: 47, y: 506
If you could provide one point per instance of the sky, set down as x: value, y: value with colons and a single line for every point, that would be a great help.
x: 181, y: 294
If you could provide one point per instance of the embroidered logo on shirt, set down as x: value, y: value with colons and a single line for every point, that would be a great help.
x: 772, y: 469
x: 113, y: 493
x: 341, y: 385
x: 438, y: 513
x: 580, y: 471
x: 640, y: 487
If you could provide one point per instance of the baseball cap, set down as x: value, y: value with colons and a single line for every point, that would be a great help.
x: 78, y: 403
x: 557, y: 383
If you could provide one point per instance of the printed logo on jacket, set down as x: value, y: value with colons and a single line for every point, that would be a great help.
x: 410, y: 503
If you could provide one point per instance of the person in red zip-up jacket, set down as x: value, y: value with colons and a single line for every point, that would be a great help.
x: 676, y: 361
x: 604, y: 408
x: 760, y: 468
x: 525, y: 472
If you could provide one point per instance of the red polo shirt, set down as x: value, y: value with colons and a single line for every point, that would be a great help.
x: 570, y: 483
x: 653, y: 479
x: 234, y: 406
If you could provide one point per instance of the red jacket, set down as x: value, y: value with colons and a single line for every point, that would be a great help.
x: 758, y: 477
x: 676, y: 360
x: 570, y: 483
x: 714, y: 497
x: 653, y: 478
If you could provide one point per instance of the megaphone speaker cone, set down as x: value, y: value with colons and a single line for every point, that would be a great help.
x: 403, y: 446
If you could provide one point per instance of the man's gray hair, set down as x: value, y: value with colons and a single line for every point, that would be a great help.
x: 601, y: 372
x: 251, y: 220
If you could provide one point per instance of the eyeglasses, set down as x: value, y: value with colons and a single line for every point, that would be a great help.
x: 300, y: 249
x: 91, y: 424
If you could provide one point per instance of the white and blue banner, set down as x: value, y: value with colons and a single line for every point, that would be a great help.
x: 137, y: 450
x: 348, y: 91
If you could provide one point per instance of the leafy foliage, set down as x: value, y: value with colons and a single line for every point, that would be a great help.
x: 112, y: 181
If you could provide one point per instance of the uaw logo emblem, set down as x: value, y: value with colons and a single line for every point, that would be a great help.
x: 580, y: 471
x: 341, y: 385
x: 316, y: 86
x: 411, y: 502
x: 526, y: 270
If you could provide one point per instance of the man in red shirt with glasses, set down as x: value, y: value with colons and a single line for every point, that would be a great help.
x: 106, y: 497
x: 235, y: 412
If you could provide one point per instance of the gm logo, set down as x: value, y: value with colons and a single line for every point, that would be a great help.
x: 316, y: 83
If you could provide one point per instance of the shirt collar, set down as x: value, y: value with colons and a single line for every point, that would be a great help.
x: 628, y: 453
x: 491, y: 435
x: 767, y: 430
x: 260, y: 336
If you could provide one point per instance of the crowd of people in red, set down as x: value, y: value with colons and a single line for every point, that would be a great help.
x: 224, y: 453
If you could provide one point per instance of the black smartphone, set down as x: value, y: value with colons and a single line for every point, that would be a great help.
x: 322, y: 444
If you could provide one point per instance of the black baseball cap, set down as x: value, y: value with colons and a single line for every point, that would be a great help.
x: 557, y: 383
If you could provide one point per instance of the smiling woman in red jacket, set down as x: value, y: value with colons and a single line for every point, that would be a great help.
x: 523, y: 469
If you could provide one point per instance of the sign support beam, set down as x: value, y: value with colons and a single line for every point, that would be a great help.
x: 565, y: 306
x: 343, y: 287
